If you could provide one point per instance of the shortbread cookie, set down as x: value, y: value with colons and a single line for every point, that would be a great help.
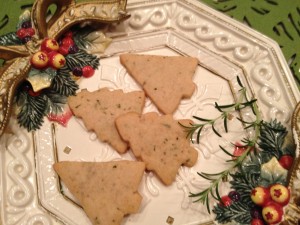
x: 159, y: 141
x: 99, y: 109
x: 107, y: 191
x: 165, y: 79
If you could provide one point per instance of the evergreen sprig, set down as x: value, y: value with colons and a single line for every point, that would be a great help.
x: 63, y: 84
x: 237, y: 211
x: 226, y: 112
x: 267, y: 141
x: 10, y: 39
x: 33, y: 110
x: 81, y: 59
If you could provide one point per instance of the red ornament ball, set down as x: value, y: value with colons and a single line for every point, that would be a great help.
x: 88, y: 71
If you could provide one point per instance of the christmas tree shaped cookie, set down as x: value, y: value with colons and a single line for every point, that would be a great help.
x: 98, y: 110
x: 107, y: 191
x: 165, y: 79
x: 159, y: 141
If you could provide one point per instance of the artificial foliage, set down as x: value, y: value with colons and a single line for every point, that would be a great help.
x: 256, y: 162
x: 33, y: 105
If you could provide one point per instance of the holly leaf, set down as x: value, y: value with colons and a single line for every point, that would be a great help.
x: 41, y: 79
x: 272, y: 172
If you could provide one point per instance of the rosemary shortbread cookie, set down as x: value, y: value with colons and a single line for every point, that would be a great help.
x: 99, y: 109
x: 159, y: 141
x: 107, y: 191
x: 165, y: 79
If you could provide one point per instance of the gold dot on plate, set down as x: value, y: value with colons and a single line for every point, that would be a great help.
x: 67, y: 150
x: 170, y: 220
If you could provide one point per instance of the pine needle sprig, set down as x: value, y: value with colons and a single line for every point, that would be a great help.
x: 215, y: 180
x: 236, y: 211
x: 236, y: 161
x: 226, y: 112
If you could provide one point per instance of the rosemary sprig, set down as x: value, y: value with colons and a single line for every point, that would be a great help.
x: 225, y: 115
x: 236, y: 161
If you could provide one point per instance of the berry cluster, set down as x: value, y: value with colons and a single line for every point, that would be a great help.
x: 270, y: 202
x: 68, y: 46
x: 48, y: 56
x: 226, y: 200
x: 25, y: 32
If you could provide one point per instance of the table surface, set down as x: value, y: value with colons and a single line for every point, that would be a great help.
x: 277, y: 19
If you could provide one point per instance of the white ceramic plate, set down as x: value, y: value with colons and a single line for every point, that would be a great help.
x: 31, y: 192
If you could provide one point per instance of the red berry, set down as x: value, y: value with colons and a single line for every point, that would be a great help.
x: 257, y: 222
x: 225, y: 201
x: 64, y: 50
x: 88, y: 71
x: 21, y: 33
x: 286, y: 161
x: 272, y: 213
x: 239, y: 150
x: 260, y: 196
x: 30, y: 31
x: 234, y: 196
x: 26, y: 24
x: 33, y: 93
x: 67, y: 41
x: 69, y: 34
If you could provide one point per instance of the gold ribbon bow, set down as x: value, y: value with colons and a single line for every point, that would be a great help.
x: 68, y: 13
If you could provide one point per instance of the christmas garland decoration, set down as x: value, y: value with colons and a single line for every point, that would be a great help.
x: 258, y: 168
x: 44, y: 58
x: 65, y: 62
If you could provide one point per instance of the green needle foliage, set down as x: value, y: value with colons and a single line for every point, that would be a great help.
x: 268, y: 141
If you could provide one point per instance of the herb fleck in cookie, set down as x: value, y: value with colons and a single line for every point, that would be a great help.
x: 107, y: 191
x: 159, y: 141
x: 165, y: 79
x: 99, y: 109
